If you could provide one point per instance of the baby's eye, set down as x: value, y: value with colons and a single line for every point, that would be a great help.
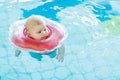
x: 44, y: 29
x: 39, y: 32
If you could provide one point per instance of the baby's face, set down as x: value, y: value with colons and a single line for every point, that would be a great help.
x: 38, y: 32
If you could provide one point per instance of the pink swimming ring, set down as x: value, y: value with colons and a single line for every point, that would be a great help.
x: 52, y: 41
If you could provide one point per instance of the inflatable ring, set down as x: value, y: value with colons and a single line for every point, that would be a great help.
x: 20, y: 39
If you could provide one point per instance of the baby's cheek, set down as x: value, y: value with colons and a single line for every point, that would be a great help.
x: 42, y: 35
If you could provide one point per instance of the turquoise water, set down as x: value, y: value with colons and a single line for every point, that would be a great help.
x: 92, y: 46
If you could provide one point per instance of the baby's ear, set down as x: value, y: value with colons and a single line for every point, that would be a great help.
x: 26, y: 29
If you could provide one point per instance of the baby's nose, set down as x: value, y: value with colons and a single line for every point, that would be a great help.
x: 45, y: 33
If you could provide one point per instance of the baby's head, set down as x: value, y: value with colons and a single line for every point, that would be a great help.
x: 36, y: 28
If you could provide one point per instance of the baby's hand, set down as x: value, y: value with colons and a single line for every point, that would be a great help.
x: 60, y: 56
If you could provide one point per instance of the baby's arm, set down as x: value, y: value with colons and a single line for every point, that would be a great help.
x: 60, y: 55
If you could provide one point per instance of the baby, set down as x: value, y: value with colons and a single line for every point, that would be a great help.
x: 36, y: 29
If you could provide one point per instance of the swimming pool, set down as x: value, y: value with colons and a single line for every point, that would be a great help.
x: 92, y: 46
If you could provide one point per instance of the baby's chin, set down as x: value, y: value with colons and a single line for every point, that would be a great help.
x: 40, y: 38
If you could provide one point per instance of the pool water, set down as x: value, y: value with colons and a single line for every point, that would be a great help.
x: 92, y: 48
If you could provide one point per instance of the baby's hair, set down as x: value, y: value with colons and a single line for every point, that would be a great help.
x: 33, y: 21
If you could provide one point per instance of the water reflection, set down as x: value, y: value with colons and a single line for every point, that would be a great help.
x: 103, y: 10
x: 39, y: 56
x: 50, y: 9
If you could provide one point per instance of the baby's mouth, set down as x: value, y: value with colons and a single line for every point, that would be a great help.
x: 43, y: 37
